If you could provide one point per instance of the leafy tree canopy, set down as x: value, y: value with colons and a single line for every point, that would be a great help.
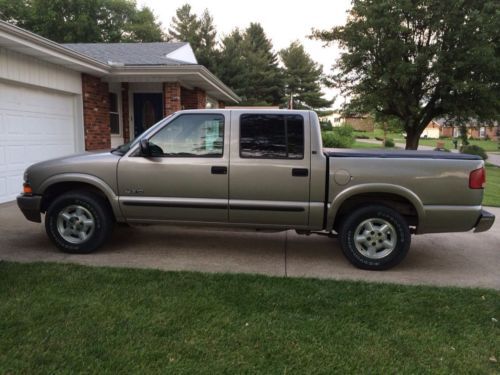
x: 84, y: 21
x: 415, y: 60
x: 303, y: 78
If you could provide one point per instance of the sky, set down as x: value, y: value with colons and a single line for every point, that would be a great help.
x: 283, y: 22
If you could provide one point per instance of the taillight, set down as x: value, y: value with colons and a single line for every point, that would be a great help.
x: 477, y: 178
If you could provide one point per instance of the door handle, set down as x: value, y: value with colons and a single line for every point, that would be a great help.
x: 219, y: 170
x: 300, y: 172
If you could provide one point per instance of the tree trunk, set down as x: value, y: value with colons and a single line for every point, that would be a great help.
x: 412, y: 139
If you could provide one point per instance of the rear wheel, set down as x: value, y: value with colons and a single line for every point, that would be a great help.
x: 375, y: 238
x: 78, y: 222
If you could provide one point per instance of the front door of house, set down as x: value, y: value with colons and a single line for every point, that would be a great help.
x: 148, y: 110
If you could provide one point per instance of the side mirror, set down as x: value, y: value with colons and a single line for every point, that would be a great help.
x: 145, y: 149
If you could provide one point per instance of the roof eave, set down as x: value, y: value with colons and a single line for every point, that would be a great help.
x: 175, y: 70
x: 35, y: 45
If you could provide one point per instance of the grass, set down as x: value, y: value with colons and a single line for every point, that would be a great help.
x: 65, y: 318
x: 492, y: 190
x: 486, y: 145
x: 358, y: 144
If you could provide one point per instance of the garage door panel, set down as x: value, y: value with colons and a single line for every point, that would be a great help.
x: 35, y: 125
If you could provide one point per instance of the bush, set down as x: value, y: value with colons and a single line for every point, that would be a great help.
x: 344, y: 131
x: 444, y: 137
x: 389, y: 142
x: 379, y: 138
x: 474, y: 150
x: 335, y: 140
x: 362, y: 136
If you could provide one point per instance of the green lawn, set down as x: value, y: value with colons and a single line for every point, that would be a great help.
x: 399, y: 138
x: 492, y: 190
x: 359, y: 144
x: 67, y: 319
x: 486, y: 145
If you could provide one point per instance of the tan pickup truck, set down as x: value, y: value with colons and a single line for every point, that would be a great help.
x: 259, y: 169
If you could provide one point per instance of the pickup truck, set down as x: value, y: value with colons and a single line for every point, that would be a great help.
x: 258, y: 169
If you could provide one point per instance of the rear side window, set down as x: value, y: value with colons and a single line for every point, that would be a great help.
x: 271, y: 136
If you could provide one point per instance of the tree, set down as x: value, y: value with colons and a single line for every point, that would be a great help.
x: 262, y: 76
x: 199, y: 32
x: 230, y: 62
x: 420, y: 59
x: 82, y: 21
x: 302, y: 78
x: 247, y: 63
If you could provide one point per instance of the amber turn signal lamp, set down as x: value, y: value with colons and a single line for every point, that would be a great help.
x: 27, y: 189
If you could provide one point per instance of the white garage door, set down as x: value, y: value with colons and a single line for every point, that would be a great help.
x: 35, y: 125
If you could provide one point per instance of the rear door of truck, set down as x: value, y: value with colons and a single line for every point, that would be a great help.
x: 269, y: 170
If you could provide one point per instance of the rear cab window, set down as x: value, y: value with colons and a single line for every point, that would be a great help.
x: 271, y: 136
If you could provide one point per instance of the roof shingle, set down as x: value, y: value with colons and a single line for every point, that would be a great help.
x: 130, y: 53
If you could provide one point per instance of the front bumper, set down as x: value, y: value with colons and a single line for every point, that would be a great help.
x: 30, y: 206
x: 485, y: 221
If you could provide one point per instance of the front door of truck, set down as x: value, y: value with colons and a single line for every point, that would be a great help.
x: 186, y: 176
x: 269, y: 168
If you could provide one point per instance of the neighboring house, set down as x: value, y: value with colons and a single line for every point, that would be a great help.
x: 358, y: 122
x: 433, y: 130
x: 475, y: 129
x: 59, y: 99
x: 364, y: 123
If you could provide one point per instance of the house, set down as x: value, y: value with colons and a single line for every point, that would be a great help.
x: 59, y: 99
x: 432, y: 130
x: 475, y: 129
x: 358, y: 122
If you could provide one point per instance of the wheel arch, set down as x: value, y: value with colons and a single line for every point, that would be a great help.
x: 403, y: 200
x: 56, y: 185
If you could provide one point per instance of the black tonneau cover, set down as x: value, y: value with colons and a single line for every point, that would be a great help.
x: 396, y: 154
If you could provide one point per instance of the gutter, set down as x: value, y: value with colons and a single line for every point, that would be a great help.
x: 200, y: 70
x: 47, y: 47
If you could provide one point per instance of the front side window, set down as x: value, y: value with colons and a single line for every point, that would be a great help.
x: 114, y: 117
x: 190, y: 136
x: 271, y: 136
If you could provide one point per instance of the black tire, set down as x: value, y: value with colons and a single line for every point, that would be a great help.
x: 93, y: 208
x: 357, y: 251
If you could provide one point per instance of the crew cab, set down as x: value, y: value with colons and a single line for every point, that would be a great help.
x: 258, y: 169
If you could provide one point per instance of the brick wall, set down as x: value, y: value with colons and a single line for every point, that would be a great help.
x: 446, y: 131
x: 361, y: 123
x: 95, y: 113
x: 193, y: 99
x: 171, y: 97
x: 125, y: 114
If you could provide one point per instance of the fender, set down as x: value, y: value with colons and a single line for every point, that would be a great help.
x: 88, y: 179
x: 352, y: 191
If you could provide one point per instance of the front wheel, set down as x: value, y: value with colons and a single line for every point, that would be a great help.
x: 375, y: 238
x: 78, y: 222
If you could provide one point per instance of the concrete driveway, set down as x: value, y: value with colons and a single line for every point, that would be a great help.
x: 462, y: 259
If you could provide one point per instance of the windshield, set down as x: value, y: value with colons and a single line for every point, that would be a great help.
x: 123, y: 149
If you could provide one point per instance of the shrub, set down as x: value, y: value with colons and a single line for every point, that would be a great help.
x: 335, y: 140
x: 362, y: 136
x: 389, y: 142
x: 379, y: 138
x: 444, y: 137
x: 344, y: 131
x: 474, y: 150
